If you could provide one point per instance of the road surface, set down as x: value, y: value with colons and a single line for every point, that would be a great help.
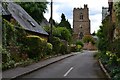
x: 82, y: 65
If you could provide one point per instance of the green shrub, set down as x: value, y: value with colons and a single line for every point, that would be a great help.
x: 6, y: 56
x: 78, y: 48
x: 7, y: 62
x: 8, y: 65
x: 114, y: 70
x: 68, y: 49
x: 8, y: 33
x: 116, y: 77
x: 64, y: 33
x: 112, y: 58
x: 35, y: 47
x: 116, y: 47
x: 61, y: 32
x: 88, y: 38
x: 79, y: 43
x: 63, y: 49
x: 56, y: 45
x: 49, y: 49
x: 73, y: 49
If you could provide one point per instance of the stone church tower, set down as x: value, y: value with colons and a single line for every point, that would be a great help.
x: 81, y: 22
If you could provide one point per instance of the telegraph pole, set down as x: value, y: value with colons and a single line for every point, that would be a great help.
x: 51, y: 20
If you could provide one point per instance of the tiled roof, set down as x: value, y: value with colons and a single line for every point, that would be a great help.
x: 4, y: 10
x: 24, y: 19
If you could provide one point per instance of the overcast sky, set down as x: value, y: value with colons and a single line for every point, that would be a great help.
x: 67, y: 6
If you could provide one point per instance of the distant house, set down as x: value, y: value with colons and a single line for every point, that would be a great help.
x: 16, y: 12
x: 104, y: 12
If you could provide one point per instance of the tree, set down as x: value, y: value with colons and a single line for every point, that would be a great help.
x: 65, y: 23
x: 63, y: 17
x: 117, y: 11
x: 54, y: 23
x: 35, y: 9
x: 61, y: 32
x: 78, y: 42
x: 88, y: 38
x: 94, y: 33
x: 104, y: 35
x: 64, y: 33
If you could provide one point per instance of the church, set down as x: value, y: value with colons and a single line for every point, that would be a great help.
x: 81, y: 22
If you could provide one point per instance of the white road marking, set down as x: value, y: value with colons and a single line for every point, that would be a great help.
x: 68, y: 71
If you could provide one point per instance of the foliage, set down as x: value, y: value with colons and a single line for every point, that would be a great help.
x: 116, y: 77
x: 117, y: 11
x: 8, y: 33
x: 105, y: 34
x: 6, y: 56
x: 112, y: 58
x: 78, y: 48
x: 63, y: 17
x: 60, y: 32
x: 73, y: 48
x: 13, y: 64
x: 20, y: 35
x: 116, y: 46
x: 112, y: 63
x: 34, y: 46
x: 24, y: 63
x: 64, y: 33
x: 103, y: 43
x: 63, y: 49
x: 35, y: 9
x: 7, y: 62
x: 56, y: 45
x: 65, y: 23
x: 12, y: 35
x: 94, y: 33
x: 49, y: 49
x: 8, y: 65
x: 78, y: 42
x: 114, y: 71
x: 88, y: 38
x: 53, y: 22
x: 109, y: 47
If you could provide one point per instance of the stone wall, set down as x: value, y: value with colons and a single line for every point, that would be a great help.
x: 81, y: 25
x: 89, y: 46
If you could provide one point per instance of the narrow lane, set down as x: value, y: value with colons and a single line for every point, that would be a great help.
x: 82, y: 65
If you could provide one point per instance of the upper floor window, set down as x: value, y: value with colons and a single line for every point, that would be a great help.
x: 81, y: 16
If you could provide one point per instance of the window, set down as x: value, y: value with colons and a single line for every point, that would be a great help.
x: 81, y: 16
x: 31, y: 23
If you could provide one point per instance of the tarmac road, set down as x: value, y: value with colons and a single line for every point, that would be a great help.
x: 82, y: 65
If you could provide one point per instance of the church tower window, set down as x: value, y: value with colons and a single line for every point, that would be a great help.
x: 81, y: 16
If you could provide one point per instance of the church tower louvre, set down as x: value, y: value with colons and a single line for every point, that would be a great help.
x: 81, y: 22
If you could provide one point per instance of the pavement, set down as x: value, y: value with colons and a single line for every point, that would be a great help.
x: 19, y: 71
